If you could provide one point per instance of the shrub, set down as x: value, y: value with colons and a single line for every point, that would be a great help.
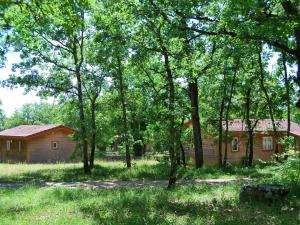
x: 288, y: 171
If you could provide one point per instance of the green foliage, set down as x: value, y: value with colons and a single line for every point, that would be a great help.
x: 2, y: 117
x: 34, y: 113
x: 288, y: 171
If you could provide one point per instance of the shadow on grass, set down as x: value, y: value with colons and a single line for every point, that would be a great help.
x: 151, y: 172
x: 160, y: 207
x: 214, y: 172
x: 157, y: 171
x: 182, y: 205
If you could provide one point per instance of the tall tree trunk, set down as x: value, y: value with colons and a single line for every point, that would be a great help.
x: 177, y: 146
x: 171, y: 115
x: 250, y: 161
x: 292, y: 10
x: 124, y: 113
x: 221, y: 117
x: 297, y: 35
x: 220, y: 144
x: 249, y: 126
x: 193, y: 91
x: 87, y: 168
x: 287, y: 93
x: 180, y: 143
x: 182, y: 154
x: 93, y: 143
x: 227, y: 115
x: 269, y: 102
x: 226, y: 142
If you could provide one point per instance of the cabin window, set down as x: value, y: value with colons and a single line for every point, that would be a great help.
x: 267, y: 143
x: 235, y: 144
x: 54, y: 145
x: 8, y: 145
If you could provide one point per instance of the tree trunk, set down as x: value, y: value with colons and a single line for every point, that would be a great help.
x: 227, y: 115
x: 93, y: 143
x: 250, y: 161
x: 182, y: 154
x: 297, y: 35
x: 226, y: 142
x: 269, y: 101
x: 180, y: 143
x: 171, y: 115
x: 221, y: 132
x: 221, y: 115
x: 287, y: 93
x: 178, y: 158
x: 124, y: 113
x: 87, y: 168
x: 291, y: 10
x: 193, y: 91
x: 249, y: 127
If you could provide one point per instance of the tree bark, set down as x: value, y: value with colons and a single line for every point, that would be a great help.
x: 287, y: 93
x: 249, y: 127
x: 93, y: 142
x: 171, y: 115
x: 297, y: 35
x: 124, y: 113
x: 220, y: 144
x: 226, y: 142
x: 182, y: 154
x: 221, y: 115
x: 292, y: 11
x: 227, y: 115
x: 78, y: 63
x: 193, y: 91
x: 180, y: 143
x: 87, y: 168
x: 250, y: 161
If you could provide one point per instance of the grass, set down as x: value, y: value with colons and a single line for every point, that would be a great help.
x: 105, y: 170
x: 202, y: 204
x: 183, y: 205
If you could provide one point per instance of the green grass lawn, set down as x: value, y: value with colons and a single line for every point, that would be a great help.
x: 202, y: 204
x: 184, y: 205
x: 104, y: 170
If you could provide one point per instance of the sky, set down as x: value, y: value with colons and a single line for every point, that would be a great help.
x: 14, y: 98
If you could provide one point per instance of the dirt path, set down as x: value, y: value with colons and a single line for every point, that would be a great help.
x: 123, y: 184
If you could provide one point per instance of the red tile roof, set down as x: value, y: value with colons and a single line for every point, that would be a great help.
x: 261, y: 126
x: 24, y: 131
x: 264, y: 125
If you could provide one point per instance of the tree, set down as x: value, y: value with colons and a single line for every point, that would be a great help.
x: 2, y: 117
x: 158, y: 42
x: 113, y: 49
x: 46, y: 41
x: 34, y: 113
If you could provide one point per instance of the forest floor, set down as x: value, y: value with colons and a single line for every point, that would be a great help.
x: 185, y: 204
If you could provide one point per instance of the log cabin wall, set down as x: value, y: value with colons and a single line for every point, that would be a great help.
x: 50, y: 147
x: 13, y: 150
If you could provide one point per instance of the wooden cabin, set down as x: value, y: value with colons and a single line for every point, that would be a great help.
x: 36, y: 144
x: 263, y: 146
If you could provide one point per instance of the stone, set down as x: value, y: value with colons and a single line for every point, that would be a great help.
x: 263, y: 192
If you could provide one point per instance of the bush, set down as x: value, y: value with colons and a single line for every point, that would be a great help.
x: 289, y: 170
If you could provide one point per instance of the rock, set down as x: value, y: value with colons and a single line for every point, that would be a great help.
x: 263, y: 192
